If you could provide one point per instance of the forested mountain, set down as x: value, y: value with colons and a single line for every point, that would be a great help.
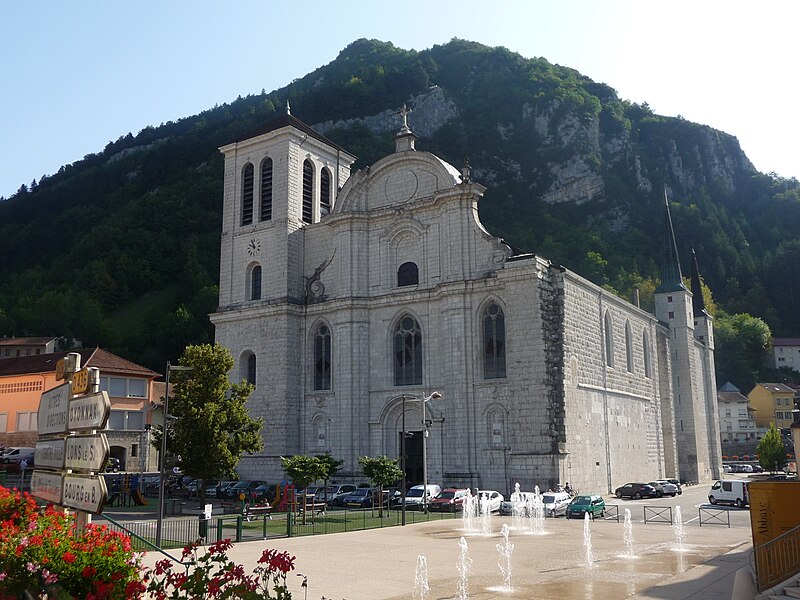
x: 121, y: 248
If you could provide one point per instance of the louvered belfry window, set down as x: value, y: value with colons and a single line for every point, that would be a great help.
x: 407, y: 353
x: 494, y: 342
x: 247, y: 194
x: 308, y: 191
x: 325, y: 192
x: 322, y: 358
x: 266, y: 190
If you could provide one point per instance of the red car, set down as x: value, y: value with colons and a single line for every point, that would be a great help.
x: 449, y: 500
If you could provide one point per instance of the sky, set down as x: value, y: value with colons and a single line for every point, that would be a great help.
x: 77, y: 75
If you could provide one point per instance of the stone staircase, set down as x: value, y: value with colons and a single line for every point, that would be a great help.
x: 790, y: 589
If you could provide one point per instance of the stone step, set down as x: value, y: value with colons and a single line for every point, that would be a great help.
x: 791, y: 592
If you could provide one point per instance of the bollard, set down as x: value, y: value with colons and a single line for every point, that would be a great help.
x: 239, y: 528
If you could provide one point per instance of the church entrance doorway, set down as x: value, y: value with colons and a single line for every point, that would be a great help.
x: 414, y: 467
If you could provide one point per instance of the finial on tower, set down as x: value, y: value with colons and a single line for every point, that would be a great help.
x: 404, y: 140
x: 288, y: 108
x: 671, y: 276
x: 403, y: 112
x: 466, y: 172
x: 698, y: 302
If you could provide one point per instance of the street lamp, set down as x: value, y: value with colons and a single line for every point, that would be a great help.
x: 423, y: 400
x: 160, y: 516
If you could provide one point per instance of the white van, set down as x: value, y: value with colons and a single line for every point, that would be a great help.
x: 16, y: 455
x: 555, y: 503
x: 415, y: 497
x: 730, y: 491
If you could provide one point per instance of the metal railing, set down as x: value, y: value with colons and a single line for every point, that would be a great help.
x: 658, y: 514
x: 778, y: 559
x: 335, y: 521
x: 714, y: 516
x: 141, y: 542
x: 611, y: 513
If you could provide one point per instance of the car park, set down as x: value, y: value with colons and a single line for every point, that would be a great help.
x: 449, y: 500
x: 555, y: 503
x: 593, y: 505
x: 636, y: 491
x: 727, y: 469
x: 668, y: 488
x: 335, y: 492
x: 242, y: 487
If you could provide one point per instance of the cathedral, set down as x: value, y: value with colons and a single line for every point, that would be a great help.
x: 374, y: 313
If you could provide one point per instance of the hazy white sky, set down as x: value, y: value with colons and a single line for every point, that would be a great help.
x: 76, y: 75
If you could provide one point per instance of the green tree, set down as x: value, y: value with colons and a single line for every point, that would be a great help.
x: 742, y: 345
x: 332, y: 466
x: 382, y: 472
x: 303, y: 471
x: 771, y: 450
x: 212, y: 428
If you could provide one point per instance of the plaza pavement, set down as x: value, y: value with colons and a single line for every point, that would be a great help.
x: 380, y: 564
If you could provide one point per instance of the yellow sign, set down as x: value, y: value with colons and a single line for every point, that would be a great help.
x: 80, y: 382
x: 61, y: 369
x: 773, y: 508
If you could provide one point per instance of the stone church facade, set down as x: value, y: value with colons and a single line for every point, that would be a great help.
x: 349, y: 298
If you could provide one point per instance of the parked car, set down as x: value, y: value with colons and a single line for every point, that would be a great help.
x: 14, y: 455
x: 593, y: 505
x: 667, y: 487
x: 338, y: 492
x: 361, y: 498
x: 223, y: 486
x: 416, y: 497
x: 555, y: 503
x: 449, y: 500
x: 729, y: 491
x: 677, y: 484
x: 242, y: 487
x: 266, y: 492
x: 150, y: 485
x: 507, y: 506
x: 112, y: 465
x: 636, y: 491
x: 494, y: 499
x: 727, y: 469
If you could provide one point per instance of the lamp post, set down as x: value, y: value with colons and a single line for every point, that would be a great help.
x: 160, y: 516
x: 423, y: 400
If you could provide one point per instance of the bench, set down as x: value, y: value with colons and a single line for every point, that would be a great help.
x: 252, y: 512
x: 312, y: 507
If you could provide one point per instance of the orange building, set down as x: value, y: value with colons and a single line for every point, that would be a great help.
x: 130, y: 389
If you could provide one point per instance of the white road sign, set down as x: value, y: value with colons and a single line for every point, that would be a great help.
x: 89, y: 412
x: 86, y: 452
x: 47, y: 486
x: 84, y: 492
x: 53, y: 409
x: 49, y: 454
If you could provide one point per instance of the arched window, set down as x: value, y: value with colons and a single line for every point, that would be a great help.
x: 247, y: 367
x: 325, y: 200
x: 266, y: 189
x: 646, y: 350
x: 308, y: 191
x: 608, y: 332
x: 407, y: 274
x: 407, y: 352
x: 247, y: 194
x: 255, y: 283
x: 494, y: 342
x: 497, y: 424
x: 322, y: 358
x: 628, y: 347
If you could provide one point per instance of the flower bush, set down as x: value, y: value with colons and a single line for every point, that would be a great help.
x: 42, y: 554
x: 214, y: 575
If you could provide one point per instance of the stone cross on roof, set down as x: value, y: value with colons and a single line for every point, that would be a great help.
x: 403, y: 112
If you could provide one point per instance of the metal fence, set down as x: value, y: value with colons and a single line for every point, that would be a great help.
x: 335, y: 521
x: 658, y: 514
x: 778, y: 559
x: 714, y: 516
x: 611, y: 513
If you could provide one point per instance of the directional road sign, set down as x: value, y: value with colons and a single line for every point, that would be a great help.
x: 89, y: 412
x: 86, y: 452
x: 49, y: 454
x: 84, y: 492
x: 53, y: 409
x: 47, y: 486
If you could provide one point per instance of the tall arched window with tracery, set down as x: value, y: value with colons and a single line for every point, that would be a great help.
x: 325, y: 197
x: 648, y: 371
x: 322, y: 358
x: 255, y: 283
x: 266, y: 190
x: 629, y: 347
x: 308, y: 191
x: 247, y: 367
x: 247, y: 194
x: 407, y: 352
x: 608, y: 333
x: 494, y: 342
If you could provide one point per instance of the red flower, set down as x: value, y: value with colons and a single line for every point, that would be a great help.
x: 69, y: 557
x: 87, y: 571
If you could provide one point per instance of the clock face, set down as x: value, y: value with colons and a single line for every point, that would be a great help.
x: 253, y: 247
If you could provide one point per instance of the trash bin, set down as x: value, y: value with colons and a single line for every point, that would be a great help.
x: 203, y: 527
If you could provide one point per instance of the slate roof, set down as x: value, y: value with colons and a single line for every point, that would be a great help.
x: 777, y: 387
x: 90, y: 357
x: 26, y: 341
x: 786, y: 341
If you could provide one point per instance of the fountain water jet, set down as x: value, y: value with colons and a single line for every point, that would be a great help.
x: 470, y: 511
x: 421, y: 587
x: 587, y: 540
x: 464, y: 566
x: 486, y: 515
x: 680, y: 533
x: 517, y: 508
x: 536, y: 514
x: 504, y: 561
x: 629, y: 552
